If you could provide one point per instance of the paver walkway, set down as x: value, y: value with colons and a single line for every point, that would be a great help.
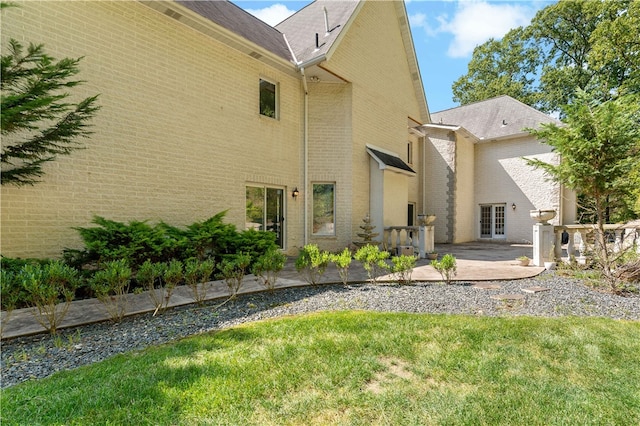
x: 475, y: 262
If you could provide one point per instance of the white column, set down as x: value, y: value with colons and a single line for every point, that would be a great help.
x: 543, y: 239
x: 426, y: 243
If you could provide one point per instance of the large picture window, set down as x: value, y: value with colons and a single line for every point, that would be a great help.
x: 324, y: 213
x: 268, y: 98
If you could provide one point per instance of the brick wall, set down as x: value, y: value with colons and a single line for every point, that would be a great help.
x: 177, y: 137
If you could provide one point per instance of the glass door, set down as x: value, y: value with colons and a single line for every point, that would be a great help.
x: 265, y: 211
x: 492, y: 221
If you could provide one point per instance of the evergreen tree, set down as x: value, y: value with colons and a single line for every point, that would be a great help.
x: 38, y: 120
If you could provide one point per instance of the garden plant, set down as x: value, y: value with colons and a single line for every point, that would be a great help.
x: 312, y: 262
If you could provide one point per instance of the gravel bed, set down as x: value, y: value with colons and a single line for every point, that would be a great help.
x: 39, y: 356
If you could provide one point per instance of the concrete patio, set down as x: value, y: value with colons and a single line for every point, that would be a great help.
x: 475, y: 262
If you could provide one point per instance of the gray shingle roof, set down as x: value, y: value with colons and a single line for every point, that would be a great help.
x: 235, y: 19
x: 301, y: 28
x: 493, y: 118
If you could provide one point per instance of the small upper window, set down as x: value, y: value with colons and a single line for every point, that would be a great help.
x: 267, y: 98
x: 410, y: 152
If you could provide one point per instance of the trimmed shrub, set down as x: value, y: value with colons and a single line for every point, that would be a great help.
x: 342, y: 261
x: 402, y: 267
x: 233, y: 269
x: 312, y: 262
x: 50, y: 289
x: 446, y: 267
x: 111, y: 285
x: 268, y: 267
x: 196, y: 275
x: 373, y: 260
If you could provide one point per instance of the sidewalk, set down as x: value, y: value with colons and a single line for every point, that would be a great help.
x: 475, y: 262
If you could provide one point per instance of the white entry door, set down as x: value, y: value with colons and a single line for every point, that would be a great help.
x: 492, y: 221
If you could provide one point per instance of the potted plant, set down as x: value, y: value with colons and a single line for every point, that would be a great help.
x: 523, y: 260
x: 432, y: 255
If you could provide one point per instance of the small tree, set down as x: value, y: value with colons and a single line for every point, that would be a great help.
x: 50, y: 289
x: 111, y: 285
x: 268, y: 267
x: 313, y: 262
x: 342, y: 261
x: 446, y: 267
x: 373, y: 260
x: 233, y: 269
x: 599, y: 149
x: 38, y: 121
x: 196, y: 275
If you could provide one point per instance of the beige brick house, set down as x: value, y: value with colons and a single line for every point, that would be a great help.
x: 482, y: 187
x: 205, y: 108
x: 301, y: 129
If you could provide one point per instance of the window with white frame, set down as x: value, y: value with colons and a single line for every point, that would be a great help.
x: 268, y: 98
x: 324, y: 212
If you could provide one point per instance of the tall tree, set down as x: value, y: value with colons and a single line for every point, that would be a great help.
x: 506, y: 67
x: 566, y: 47
x: 38, y: 121
x: 599, y: 146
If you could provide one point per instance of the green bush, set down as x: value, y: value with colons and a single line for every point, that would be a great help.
x: 402, y: 267
x: 196, y: 274
x: 50, y: 289
x: 111, y: 285
x: 446, y: 266
x: 342, y: 261
x: 233, y: 268
x: 10, y: 295
x: 138, y: 242
x: 211, y: 238
x: 149, y: 276
x: 173, y: 276
x: 135, y: 242
x: 313, y: 262
x: 268, y: 267
x: 373, y: 260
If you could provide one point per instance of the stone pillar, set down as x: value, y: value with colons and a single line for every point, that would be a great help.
x: 543, y: 239
x: 427, y: 238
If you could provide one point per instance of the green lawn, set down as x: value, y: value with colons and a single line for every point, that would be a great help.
x: 358, y: 368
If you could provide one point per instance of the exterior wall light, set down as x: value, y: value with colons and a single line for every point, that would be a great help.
x: 513, y: 206
x: 295, y: 193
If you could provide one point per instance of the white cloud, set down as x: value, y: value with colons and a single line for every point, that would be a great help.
x: 273, y: 14
x: 476, y: 22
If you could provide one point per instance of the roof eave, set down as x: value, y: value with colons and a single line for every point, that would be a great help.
x: 204, y: 26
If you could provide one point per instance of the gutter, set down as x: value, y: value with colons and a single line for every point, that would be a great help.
x: 305, y: 148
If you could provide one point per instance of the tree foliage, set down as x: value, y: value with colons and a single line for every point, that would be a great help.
x: 38, y: 120
x: 599, y: 146
x: 569, y: 45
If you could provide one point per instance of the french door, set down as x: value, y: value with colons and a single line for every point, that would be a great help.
x: 265, y: 211
x: 492, y: 221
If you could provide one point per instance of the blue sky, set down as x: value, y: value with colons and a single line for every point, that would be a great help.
x: 444, y: 33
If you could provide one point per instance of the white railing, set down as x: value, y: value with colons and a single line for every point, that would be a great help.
x: 583, y: 236
x: 421, y: 238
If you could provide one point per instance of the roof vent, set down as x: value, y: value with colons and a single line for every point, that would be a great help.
x: 172, y: 14
x: 326, y: 22
x: 318, y: 45
x: 255, y: 55
x: 504, y: 123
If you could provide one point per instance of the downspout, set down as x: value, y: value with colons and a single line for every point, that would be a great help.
x: 305, y: 193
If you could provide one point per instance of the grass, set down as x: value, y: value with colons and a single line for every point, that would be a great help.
x: 357, y: 368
